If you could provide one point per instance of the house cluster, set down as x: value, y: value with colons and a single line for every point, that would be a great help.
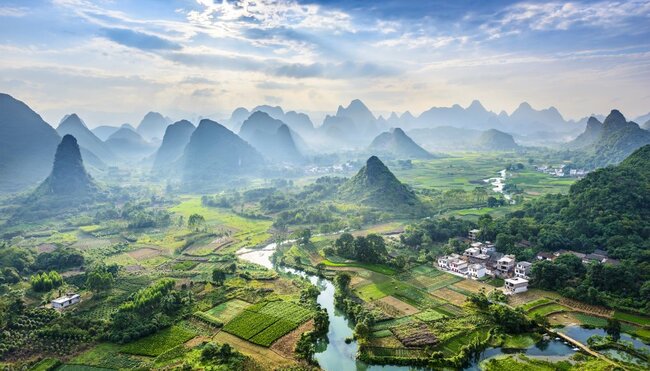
x: 598, y: 256
x: 339, y: 168
x: 65, y: 301
x: 481, y: 259
x: 561, y: 171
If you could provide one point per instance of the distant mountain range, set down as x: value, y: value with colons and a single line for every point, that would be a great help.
x: 495, y: 140
x: 152, y: 126
x: 296, y: 121
x: 73, y: 125
x: 129, y: 144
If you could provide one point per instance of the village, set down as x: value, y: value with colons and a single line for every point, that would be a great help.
x: 561, y: 171
x: 481, y: 260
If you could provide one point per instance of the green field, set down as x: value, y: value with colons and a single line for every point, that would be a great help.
x: 379, y: 268
x: 159, y: 342
x: 547, y: 309
x: 535, y: 303
x: 634, y: 318
x: 224, y: 312
x: 264, y: 323
x: 400, y: 290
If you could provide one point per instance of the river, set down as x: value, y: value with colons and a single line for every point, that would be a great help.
x: 334, y: 354
x: 498, y: 184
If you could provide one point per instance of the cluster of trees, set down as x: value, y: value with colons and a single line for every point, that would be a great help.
x: 138, y: 215
x: 430, y: 231
x: 44, y: 281
x: 366, y: 249
x: 59, y: 259
x: 196, y: 222
x: 149, y: 310
x: 512, y: 321
x: 101, y: 277
x: 221, y: 354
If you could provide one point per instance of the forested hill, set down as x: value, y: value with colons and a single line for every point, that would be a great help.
x: 607, y: 210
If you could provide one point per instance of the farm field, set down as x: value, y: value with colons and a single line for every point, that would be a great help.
x: 546, y: 309
x: 160, y: 342
x: 264, y: 323
x: 225, y: 312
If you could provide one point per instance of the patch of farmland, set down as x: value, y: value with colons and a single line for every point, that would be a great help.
x: 396, y: 307
x: 224, y: 312
x: 144, y: 253
x: 415, y: 334
x: 264, y: 323
x: 429, y: 315
x: 472, y: 286
x: 449, y: 310
x: 451, y: 296
x: 443, y: 280
x: 160, y: 342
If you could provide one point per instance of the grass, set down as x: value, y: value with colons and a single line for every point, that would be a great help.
x: 225, y: 312
x: 634, y: 318
x: 160, y: 342
x: 429, y: 315
x: 247, y: 231
x: 521, y: 341
x: 535, y: 303
x: 547, y: 309
x: 107, y: 355
x: 47, y: 364
x: 442, y: 281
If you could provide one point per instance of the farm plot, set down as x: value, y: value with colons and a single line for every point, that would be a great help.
x: 429, y: 315
x: 396, y: 307
x: 160, y: 342
x: 535, y: 303
x: 415, y: 334
x: 224, y: 312
x: 443, y: 280
x: 471, y: 286
x: 264, y: 323
x: 144, y: 253
x: 451, y: 296
x: 400, y: 290
x: 452, y: 346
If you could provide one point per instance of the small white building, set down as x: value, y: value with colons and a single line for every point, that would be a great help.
x: 472, y: 251
x: 505, y: 265
x: 522, y: 269
x: 66, y: 301
x: 515, y: 285
x: 488, y: 248
x: 458, y: 265
x: 476, y: 271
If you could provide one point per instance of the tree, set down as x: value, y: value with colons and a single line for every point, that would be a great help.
x: 196, y: 222
x: 303, y: 236
x: 613, y: 328
x: 218, y: 276
x: 344, y: 245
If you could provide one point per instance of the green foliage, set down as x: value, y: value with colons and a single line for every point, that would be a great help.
x: 432, y: 230
x: 159, y: 342
x: 58, y: 259
x: 43, y: 282
x: 368, y: 249
x: 196, y: 222
x: 101, y: 277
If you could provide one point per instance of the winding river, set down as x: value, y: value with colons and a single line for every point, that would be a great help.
x: 334, y: 354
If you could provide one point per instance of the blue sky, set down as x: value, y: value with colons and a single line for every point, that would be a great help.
x: 112, y: 61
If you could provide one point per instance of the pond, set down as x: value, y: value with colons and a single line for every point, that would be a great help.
x: 334, y: 354
x: 582, y: 334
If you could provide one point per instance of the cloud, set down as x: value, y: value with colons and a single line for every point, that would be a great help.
x: 203, y: 93
x: 565, y: 15
x: 139, y: 40
x: 349, y: 70
x: 272, y: 99
x: 7, y: 11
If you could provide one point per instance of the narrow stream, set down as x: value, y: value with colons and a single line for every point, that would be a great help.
x: 334, y: 354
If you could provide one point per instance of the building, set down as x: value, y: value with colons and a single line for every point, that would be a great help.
x: 458, y: 265
x: 505, y: 265
x: 488, y: 247
x: 443, y: 262
x: 565, y: 252
x: 472, y: 252
x: 515, y: 285
x: 522, y: 270
x: 473, y: 234
x: 476, y: 271
x: 66, y: 301
x: 545, y: 256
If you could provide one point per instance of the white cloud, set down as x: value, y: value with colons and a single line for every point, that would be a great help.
x: 6, y: 11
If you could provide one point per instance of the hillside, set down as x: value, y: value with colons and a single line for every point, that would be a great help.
x: 591, y: 135
x: 376, y: 186
x: 445, y: 138
x: 104, y: 131
x: 214, y: 151
x: 27, y: 145
x: 177, y: 135
x: 271, y: 137
x: 68, y: 176
x: 495, y: 140
x: 73, y: 125
x: 396, y: 143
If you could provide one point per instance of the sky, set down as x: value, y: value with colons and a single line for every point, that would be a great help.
x: 111, y: 61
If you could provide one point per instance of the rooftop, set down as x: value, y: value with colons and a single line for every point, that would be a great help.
x: 516, y: 280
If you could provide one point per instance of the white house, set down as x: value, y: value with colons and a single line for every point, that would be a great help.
x: 476, y: 271
x: 458, y: 265
x: 473, y: 234
x: 505, y: 265
x: 472, y: 251
x: 515, y: 285
x: 443, y: 262
x: 66, y: 301
x: 522, y: 270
